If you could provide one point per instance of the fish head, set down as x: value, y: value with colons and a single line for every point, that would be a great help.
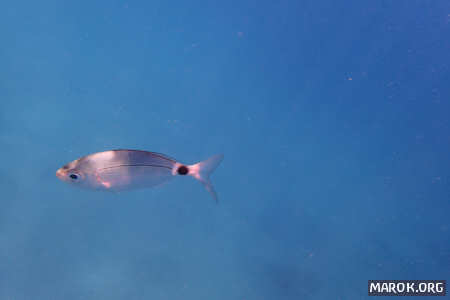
x: 72, y: 173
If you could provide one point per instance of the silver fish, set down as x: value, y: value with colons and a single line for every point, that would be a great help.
x: 119, y: 170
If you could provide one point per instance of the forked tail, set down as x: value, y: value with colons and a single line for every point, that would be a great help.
x: 202, y: 170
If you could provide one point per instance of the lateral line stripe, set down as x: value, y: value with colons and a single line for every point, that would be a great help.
x: 138, y: 165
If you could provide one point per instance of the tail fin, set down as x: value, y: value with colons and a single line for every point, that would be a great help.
x: 203, y: 169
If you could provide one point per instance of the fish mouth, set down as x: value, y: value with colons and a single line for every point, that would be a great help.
x: 60, y: 173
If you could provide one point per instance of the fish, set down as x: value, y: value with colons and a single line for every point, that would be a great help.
x: 124, y: 169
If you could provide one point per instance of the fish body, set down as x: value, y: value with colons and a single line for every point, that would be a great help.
x: 118, y: 170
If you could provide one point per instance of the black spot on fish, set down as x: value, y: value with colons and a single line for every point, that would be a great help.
x: 73, y: 176
x: 183, y: 170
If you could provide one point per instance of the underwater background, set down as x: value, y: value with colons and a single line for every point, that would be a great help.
x: 333, y: 116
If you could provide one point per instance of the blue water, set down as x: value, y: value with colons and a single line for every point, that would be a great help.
x: 334, y: 118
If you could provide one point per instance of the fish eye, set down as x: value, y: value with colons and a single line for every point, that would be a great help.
x: 73, y: 176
